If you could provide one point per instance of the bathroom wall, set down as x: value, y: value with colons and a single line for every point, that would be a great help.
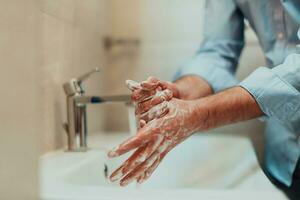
x: 72, y: 34
x: 43, y: 43
x: 170, y: 32
x: 20, y: 48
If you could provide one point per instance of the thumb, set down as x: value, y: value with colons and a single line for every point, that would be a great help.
x: 133, y: 85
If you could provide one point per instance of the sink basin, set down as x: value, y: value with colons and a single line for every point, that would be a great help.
x: 202, y: 165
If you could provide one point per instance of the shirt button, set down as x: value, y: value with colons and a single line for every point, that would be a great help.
x: 280, y: 35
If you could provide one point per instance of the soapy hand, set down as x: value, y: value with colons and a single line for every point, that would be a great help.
x: 156, y: 138
x: 150, y: 93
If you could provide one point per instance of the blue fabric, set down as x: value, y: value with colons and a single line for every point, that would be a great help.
x: 276, y: 86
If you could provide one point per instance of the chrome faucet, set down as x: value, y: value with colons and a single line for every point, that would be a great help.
x: 76, y: 126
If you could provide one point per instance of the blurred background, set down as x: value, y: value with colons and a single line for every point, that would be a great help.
x: 44, y: 43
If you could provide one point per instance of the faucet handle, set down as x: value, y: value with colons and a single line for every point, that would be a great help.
x: 85, y: 76
x: 74, y: 85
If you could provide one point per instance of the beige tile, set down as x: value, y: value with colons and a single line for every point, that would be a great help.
x: 19, y: 61
x: 126, y: 18
x: 50, y: 79
x: 52, y: 39
x: 173, y: 21
x: 93, y: 14
x: 61, y: 9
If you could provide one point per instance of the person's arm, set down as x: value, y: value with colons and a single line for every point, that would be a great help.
x: 216, y: 61
x: 227, y: 107
x: 274, y: 93
x: 183, y: 118
x: 191, y: 87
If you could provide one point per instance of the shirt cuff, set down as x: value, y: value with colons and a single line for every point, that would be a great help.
x: 217, y: 77
x: 275, y: 96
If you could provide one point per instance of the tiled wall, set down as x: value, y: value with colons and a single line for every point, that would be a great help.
x: 72, y: 33
x: 19, y: 104
x: 43, y: 43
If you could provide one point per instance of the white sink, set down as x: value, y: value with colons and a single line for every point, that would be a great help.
x: 203, y: 166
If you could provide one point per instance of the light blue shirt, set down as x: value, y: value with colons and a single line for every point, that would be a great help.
x: 276, y: 87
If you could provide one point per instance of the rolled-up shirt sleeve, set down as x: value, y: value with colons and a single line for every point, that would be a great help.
x: 277, y: 91
x: 216, y: 60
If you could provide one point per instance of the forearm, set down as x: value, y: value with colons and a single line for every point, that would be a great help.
x: 229, y: 106
x: 192, y: 87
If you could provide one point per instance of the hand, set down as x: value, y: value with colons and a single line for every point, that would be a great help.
x: 183, y: 117
x: 150, y: 93
x: 156, y: 139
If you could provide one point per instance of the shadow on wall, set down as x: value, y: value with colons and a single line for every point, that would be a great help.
x: 58, y: 112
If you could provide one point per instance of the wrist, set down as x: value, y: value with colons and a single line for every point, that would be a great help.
x: 192, y: 87
x: 229, y: 106
x: 199, y: 115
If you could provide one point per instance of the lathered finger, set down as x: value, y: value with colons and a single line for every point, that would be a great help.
x: 139, y: 170
x: 140, y: 95
x: 148, y: 172
x: 145, y: 169
x: 150, y: 149
x: 133, y: 85
x: 140, y: 178
x: 138, y: 157
x: 150, y: 84
x: 155, y: 112
x: 158, y: 98
x: 119, y: 173
x: 163, y: 150
x: 143, y: 136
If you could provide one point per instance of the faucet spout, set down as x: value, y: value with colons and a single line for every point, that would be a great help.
x: 83, y: 100
x: 77, y: 101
